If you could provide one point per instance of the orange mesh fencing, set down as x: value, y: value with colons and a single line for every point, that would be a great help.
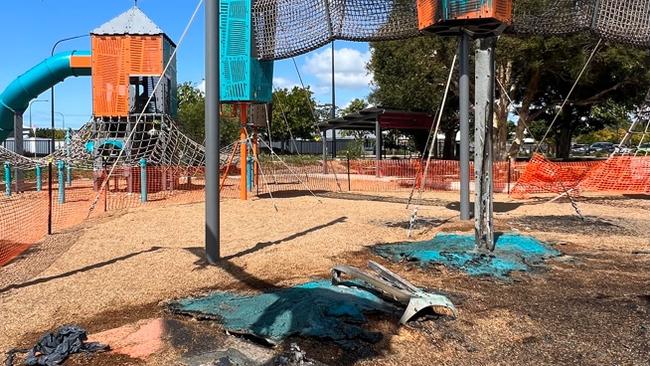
x: 544, y: 176
x: 24, y: 214
x: 629, y: 174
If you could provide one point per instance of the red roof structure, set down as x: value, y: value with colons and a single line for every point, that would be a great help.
x: 387, y: 118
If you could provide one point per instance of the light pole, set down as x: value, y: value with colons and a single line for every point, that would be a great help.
x: 31, y: 127
x: 52, y: 136
x: 62, y: 119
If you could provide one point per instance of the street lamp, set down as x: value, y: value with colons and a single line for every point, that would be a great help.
x: 52, y: 137
x: 62, y: 118
x: 31, y: 128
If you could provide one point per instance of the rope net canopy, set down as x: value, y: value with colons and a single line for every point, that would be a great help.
x: 287, y: 28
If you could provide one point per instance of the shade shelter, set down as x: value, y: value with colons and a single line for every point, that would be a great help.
x: 377, y: 119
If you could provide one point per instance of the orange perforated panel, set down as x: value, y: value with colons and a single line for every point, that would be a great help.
x: 503, y: 11
x: 430, y: 12
x: 146, y: 55
x: 427, y: 13
x: 114, y: 59
x: 110, y: 78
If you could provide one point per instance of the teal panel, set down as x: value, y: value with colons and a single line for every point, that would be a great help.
x: 513, y: 252
x: 243, y: 77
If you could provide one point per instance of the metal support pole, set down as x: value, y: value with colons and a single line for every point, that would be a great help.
x: 256, y: 154
x: 50, y: 178
x: 39, y: 179
x: 212, y: 242
x: 349, y: 181
x: 250, y: 162
x: 333, y: 110
x: 19, y: 148
x: 243, y: 150
x: 483, y: 113
x: 463, y: 91
x: 509, y: 174
x: 59, y: 167
x: 7, y: 179
x: 377, y: 147
x: 68, y: 139
x: 143, y: 180
x: 324, y: 151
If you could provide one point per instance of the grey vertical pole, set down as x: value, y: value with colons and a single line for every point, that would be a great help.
x: 324, y: 151
x: 19, y: 148
x: 463, y: 91
x: 333, y: 105
x: 377, y: 147
x: 212, y: 250
x: 483, y: 125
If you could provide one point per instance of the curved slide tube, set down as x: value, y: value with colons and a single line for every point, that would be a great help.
x: 16, y: 97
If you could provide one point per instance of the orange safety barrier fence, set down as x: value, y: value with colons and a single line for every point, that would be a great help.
x: 629, y: 174
x: 24, y: 214
x: 544, y: 176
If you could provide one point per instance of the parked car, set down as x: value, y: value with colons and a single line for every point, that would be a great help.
x: 644, y: 149
x: 601, y: 147
x: 579, y: 149
x: 623, y: 149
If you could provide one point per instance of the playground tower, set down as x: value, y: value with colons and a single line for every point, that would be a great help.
x: 246, y: 82
x: 129, y: 55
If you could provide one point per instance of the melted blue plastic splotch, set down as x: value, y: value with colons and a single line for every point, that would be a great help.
x: 316, y: 309
x: 513, y: 252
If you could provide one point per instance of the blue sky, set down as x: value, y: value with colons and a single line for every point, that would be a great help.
x: 35, y: 25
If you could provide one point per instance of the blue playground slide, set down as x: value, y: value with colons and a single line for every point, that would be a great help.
x: 16, y: 97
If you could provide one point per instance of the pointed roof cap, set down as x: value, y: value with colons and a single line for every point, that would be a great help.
x: 133, y: 21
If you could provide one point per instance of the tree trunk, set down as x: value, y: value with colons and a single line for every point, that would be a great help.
x: 503, y: 75
x: 563, y: 148
x: 524, y: 114
x: 449, y: 147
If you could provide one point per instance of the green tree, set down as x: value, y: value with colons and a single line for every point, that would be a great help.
x: 543, y: 70
x: 536, y: 72
x: 294, y: 114
x: 355, y: 105
x: 411, y: 75
x: 59, y: 134
x: 191, y: 116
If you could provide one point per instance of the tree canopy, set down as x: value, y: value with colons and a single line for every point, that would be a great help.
x: 537, y: 74
x: 191, y: 116
x: 294, y: 114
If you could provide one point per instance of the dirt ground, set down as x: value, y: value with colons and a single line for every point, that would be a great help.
x: 590, y: 307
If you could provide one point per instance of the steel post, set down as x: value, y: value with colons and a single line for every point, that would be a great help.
x: 324, y: 151
x: 463, y: 90
x: 377, y: 148
x: 143, y: 180
x: 212, y: 242
x: 243, y: 150
x: 61, y: 181
x: 68, y: 140
x: 19, y: 148
x: 483, y: 114
x: 39, y: 179
x: 7, y: 178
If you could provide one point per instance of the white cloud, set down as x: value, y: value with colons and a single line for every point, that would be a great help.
x: 282, y: 83
x: 349, y: 67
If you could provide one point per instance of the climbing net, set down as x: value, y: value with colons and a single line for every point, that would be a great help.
x: 286, y: 28
x: 159, y: 142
